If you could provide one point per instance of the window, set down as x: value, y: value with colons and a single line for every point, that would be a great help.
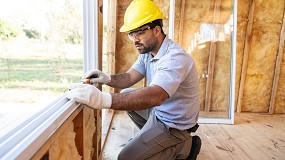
x: 208, y: 34
x: 41, y: 53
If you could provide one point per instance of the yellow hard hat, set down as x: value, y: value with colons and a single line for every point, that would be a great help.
x: 140, y: 12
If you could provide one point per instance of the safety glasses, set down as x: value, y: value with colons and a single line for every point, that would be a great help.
x: 137, y: 33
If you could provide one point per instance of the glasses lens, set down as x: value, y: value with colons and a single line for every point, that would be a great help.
x: 131, y: 34
x: 137, y: 33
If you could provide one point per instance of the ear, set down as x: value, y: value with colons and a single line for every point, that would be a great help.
x: 157, y: 31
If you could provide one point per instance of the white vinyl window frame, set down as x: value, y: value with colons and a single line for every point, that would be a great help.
x: 23, y: 141
x: 230, y: 119
x: 90, y: 14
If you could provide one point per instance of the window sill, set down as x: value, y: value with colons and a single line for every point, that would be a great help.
x: 24, y: 141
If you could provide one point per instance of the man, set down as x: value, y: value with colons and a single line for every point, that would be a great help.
x: 166, y: 111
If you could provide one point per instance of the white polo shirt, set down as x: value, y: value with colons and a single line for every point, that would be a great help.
x: 173, y: 70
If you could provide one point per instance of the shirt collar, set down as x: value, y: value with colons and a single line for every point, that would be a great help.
x: 162, y: 50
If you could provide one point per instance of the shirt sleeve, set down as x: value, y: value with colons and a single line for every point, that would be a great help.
x: 139, y: 65
x: 169, y: 75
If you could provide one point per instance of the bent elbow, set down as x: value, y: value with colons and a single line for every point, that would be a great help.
x: 157, y: 95
x: 159, y: 100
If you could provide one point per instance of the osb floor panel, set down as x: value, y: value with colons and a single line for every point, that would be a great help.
x: 252, y: 137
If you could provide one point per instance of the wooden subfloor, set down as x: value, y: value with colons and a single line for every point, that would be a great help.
x: 252, y: 137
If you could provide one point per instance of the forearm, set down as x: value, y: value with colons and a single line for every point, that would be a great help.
x: 125, y: 80
x: 120, y: 81
x: 146, y: 97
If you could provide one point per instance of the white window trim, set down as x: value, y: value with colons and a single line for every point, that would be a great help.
x: 24, y: 141
x: 171, y: 19
x: 90, y: 13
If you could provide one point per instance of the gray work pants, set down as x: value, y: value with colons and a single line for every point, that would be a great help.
x: 155, y: 140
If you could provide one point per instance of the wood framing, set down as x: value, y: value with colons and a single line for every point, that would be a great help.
x: 277, y: 67
x: 211, y: 67
x: 211, y: 62
x: 109, y: 113
x: 44, y: 148
x: 181, y: 23
x: 78, y: 119
x: 97, y: 138
x: 111, y: 38
x: 97, y: 134
x: 110, y: 51
x: 245, y: 55
x: 79, y: 129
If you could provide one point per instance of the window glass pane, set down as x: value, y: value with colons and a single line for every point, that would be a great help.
x: 41, y: 53
x: 206, y: 31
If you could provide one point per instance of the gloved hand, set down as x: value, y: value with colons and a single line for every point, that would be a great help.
x: 89, y: 95
x: 101, y: 77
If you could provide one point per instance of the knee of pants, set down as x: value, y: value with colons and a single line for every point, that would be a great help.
x: 126, y: 90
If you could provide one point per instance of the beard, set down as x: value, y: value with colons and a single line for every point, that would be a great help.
x: 148, y: 46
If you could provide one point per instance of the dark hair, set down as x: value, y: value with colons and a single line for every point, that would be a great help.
x: 155, y: 23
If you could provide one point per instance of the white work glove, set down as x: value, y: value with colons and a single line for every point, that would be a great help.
x: 99, y: 77
x: 89, y: 95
